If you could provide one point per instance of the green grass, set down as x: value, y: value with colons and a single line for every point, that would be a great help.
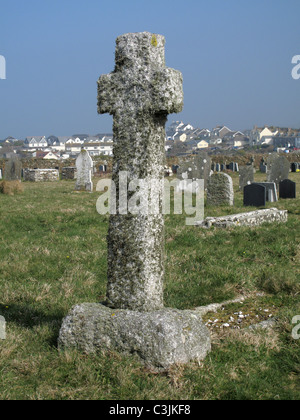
x: 53, y: 255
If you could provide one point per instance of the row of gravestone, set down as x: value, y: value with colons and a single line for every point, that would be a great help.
x: 220, y: 167
x: 258, y: 193
x: 84, y: 165
x: 219, y: 185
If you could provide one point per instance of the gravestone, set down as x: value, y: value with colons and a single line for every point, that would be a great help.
x: 140, y: 93
x: 263, y: 168
x: 294, y: 167
x: 234, y: 167
x: 246, y: 176
x: 102, y: 168
x: 278, y: 168
x: 287, y: 189
x: 218, y: 167
x: 13, y: 169
x: 84, y: 166
x: 271, y: 191
x: 220, y: 190
x: 255, y: 195
x: 197, y: 168
x: 0, y: 173
x: 175, y: 169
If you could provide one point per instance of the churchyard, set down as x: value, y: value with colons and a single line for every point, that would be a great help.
x: 54, y: 256
x: 165, y: 308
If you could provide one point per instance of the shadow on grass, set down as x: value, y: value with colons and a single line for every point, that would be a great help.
x: 26, y: 316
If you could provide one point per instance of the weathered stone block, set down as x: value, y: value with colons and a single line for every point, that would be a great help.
x: 160, y: 339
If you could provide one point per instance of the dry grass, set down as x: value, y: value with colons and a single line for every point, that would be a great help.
x: 11, y: 187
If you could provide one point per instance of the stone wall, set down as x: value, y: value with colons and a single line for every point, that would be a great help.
x: 69, y: 173
x: 41, y: 175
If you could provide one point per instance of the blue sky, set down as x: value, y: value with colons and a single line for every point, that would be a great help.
x: 235, y: 56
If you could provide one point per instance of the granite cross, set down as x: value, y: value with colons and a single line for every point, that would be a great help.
x: 139, y: 93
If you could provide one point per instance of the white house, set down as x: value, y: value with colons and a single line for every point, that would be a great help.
x: 51, y: 156
x: 202, y: 144
x: 97, y: 149
x: 266, y: 136
x: 36, y: 142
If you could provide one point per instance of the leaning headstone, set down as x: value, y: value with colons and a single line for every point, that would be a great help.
x: 140, y: 93
x: 246, y: 176
x: 220, y: 190
x: 278, y: 168
x: 271, y: 191
x: 84, y: 166
x: 255, y: 195
x: 13, y: 168
x: 287, y: 189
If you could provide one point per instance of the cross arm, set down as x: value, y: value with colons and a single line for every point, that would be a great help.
x: 167, y: 91
x: 106, y: 94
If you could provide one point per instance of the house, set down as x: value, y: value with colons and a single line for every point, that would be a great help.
x: 220, y: 132
x: 240, y: 141
x: 180, y: 136
x: 97, y: 149
x: 46, y: 155
x: 73, y: 148
x: 51, y: 156
x: 76, y: 140
x: 262, y: 136
x: 202, y: 144
x: 36, y: 142
x: 266, y: 136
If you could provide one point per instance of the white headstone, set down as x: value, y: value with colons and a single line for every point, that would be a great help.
x: 84, y: 166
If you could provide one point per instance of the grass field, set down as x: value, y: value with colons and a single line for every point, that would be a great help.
x: 53, y: 255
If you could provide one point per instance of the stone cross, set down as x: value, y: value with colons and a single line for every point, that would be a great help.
x: 139, y: 93
x: 84, y: 166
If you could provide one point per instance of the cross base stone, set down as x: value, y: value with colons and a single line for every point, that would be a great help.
x: 160, y: 339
